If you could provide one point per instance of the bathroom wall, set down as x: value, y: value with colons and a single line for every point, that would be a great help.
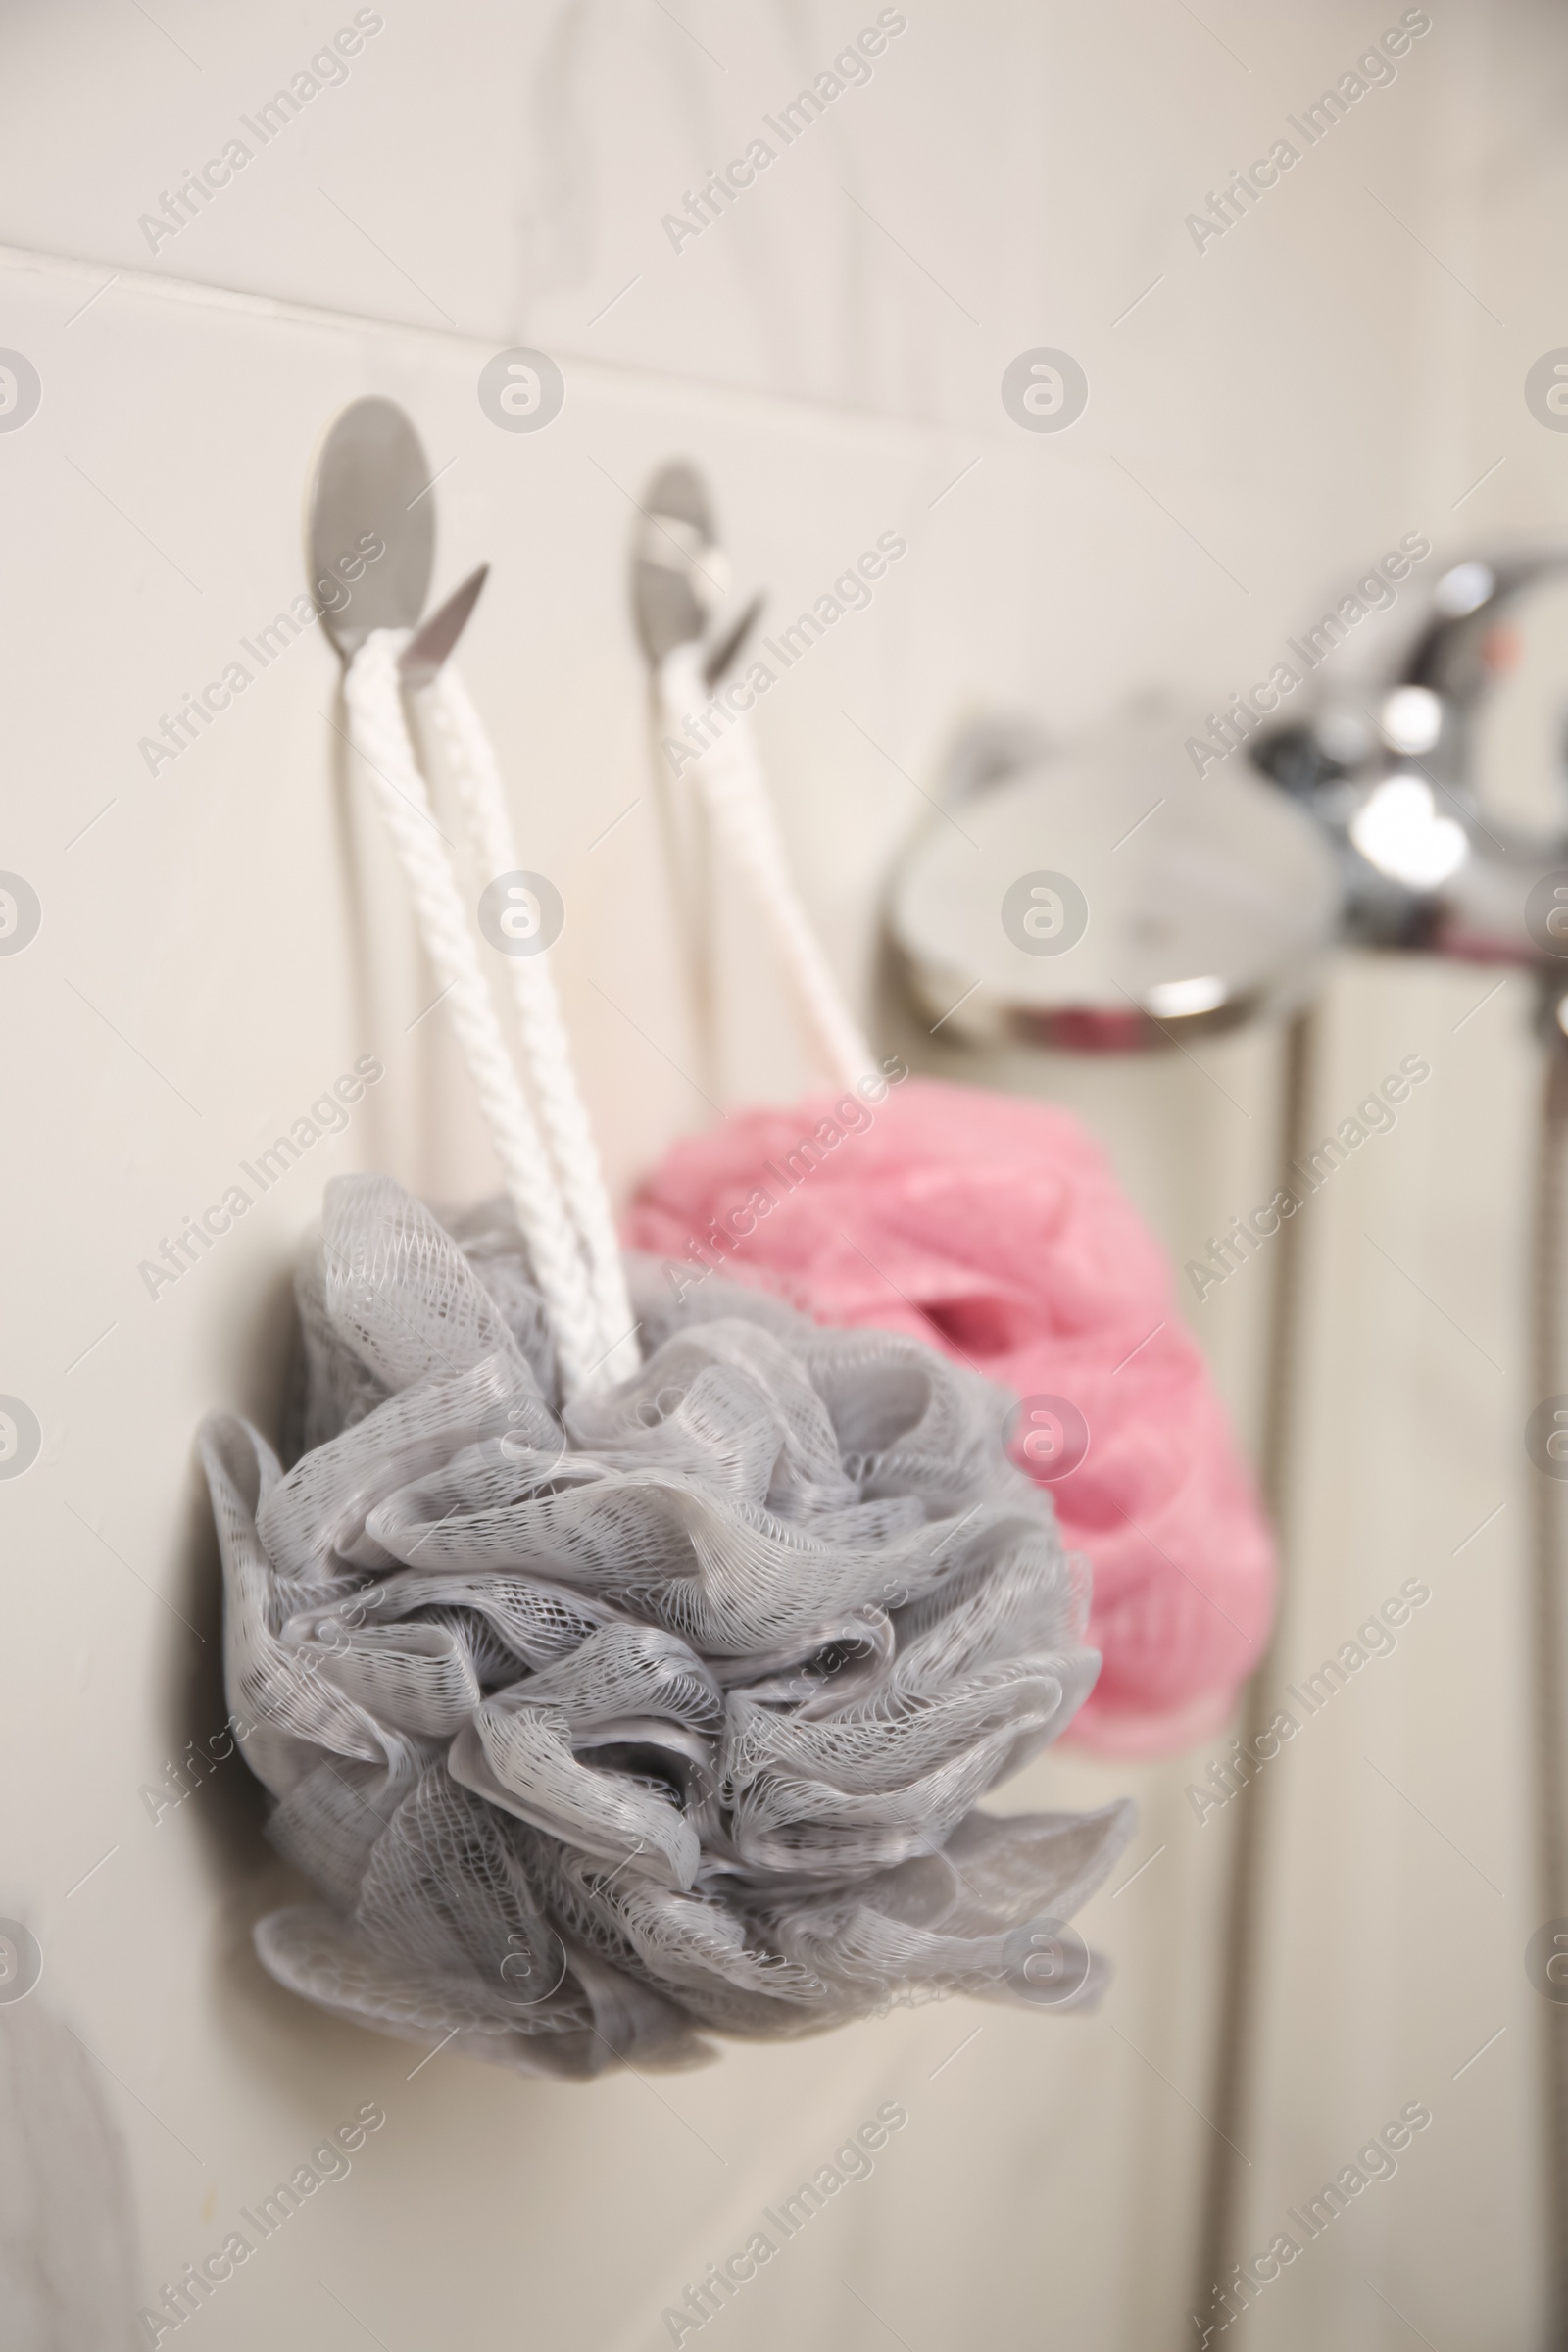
x: 223, y: 933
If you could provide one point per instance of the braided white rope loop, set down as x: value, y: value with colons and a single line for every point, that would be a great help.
x: 729, y: 776
x: 381, y: 735
x: 469, y: 758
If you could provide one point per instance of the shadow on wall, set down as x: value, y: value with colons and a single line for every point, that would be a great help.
x: 203, y: 1776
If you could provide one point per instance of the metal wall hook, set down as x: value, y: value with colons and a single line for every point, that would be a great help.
x: 727, y: 647
x: 369, y: 487
x: 681, y: 574
x: 420, y: 660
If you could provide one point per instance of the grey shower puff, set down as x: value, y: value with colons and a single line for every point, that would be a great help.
x: 596, y: 1726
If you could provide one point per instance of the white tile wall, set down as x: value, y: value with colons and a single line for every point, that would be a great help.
x: 221, y: 939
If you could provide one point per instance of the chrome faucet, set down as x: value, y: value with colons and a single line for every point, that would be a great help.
x: 1392, y: 775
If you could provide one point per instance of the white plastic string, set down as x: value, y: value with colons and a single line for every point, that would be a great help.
x: 734, y: 791
x: 381, y: 735
x: 469, y: 758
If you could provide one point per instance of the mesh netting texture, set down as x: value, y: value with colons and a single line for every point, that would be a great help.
x: 994, y: 1229
x: 599, y: 1725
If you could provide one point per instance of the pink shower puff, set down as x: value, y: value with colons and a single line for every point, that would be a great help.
x: 994, y: 1229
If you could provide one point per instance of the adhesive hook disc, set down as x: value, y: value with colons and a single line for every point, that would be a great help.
x: 367, y: 486
x: 679, y: 572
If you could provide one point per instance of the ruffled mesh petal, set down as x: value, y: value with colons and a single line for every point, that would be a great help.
x: 994, y: 1229
x: 600, y: 1727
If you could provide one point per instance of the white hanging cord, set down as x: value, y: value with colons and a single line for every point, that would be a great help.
x: 729, y: 776
x: 468, y: 757
x: 381, y: 735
